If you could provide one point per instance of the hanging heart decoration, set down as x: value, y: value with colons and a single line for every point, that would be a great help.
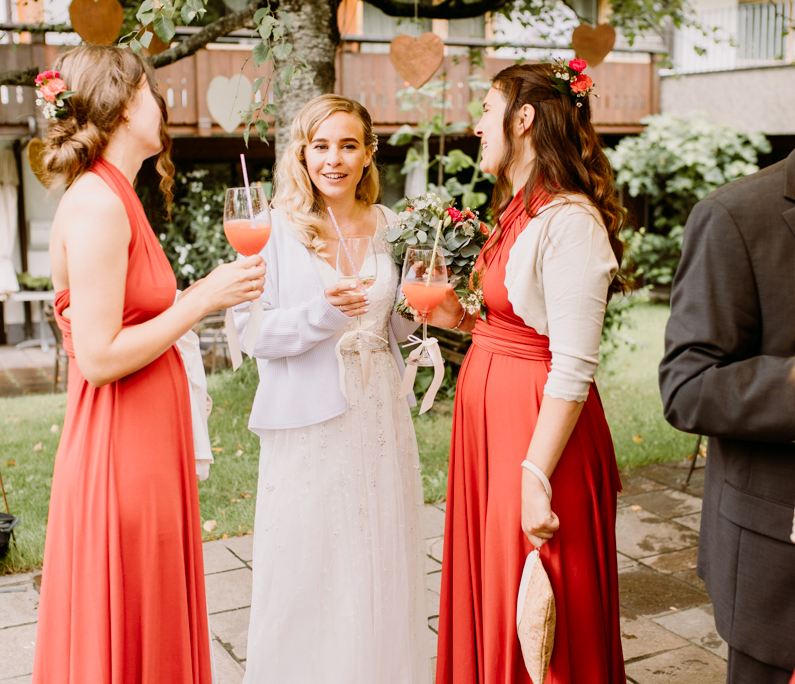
x: 35, y: 153
x: 97, y: 21
x: 593, y: 44
x: 156, y: 46
x: 417, y: 59
x: 226, y: 98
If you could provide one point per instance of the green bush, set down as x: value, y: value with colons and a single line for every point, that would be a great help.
x: 676, y: 162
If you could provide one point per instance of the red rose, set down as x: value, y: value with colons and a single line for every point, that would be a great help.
x: 484, y: 228
x: 578, y: 65
x: 455, y: 215
x: 52, y: 89
x: 469, y: 214
x: 581, y: 83
x: 410, y: 209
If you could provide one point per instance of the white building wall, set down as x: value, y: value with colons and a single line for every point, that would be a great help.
x: 753, y: 100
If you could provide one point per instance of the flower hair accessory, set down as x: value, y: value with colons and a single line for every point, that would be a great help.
x: 375, y: 143
x: 52, y: 94
x: 570, y: 79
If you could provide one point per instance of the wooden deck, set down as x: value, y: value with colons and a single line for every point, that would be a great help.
x: 628, y: 91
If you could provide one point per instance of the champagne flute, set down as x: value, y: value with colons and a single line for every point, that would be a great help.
x: 425, y: 286
x: 247, y: 220
x: 357, y: 265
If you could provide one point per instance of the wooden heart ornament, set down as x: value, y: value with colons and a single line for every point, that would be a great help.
x: 97, y: 21
x: 226, y: 98
x: 593, y: 44
x: 35, y: 152
x: 417, y: 59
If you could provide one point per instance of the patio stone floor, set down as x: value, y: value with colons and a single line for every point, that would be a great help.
x: 667, y: 625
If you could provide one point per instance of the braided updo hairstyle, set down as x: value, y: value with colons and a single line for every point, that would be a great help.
x: 105, y: 80
x: 569, y: 158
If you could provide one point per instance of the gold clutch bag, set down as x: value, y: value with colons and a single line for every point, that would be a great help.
x: 535, y: 608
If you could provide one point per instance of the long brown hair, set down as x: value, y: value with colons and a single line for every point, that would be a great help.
x: 568, y: 155
x: 105, y: 80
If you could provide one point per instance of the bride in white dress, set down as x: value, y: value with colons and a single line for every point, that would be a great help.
x: 338, y: 594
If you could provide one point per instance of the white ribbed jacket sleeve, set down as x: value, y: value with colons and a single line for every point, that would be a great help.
x: 291, y: 332
x: 577, y: 268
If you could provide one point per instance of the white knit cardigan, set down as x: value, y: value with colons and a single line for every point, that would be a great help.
x: 299, y: 381
x: 558, y: 274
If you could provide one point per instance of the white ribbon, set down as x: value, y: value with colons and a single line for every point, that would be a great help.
x: 249, y: 339
x: 432, y: 345
x: 354, y: 336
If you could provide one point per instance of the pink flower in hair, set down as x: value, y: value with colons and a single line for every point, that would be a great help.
x: 578, y: 65
x: 52, y: 89
x: 581, y: 83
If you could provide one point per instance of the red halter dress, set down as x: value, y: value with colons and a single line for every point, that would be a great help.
x: 499, y: 395
x: 122, y: 597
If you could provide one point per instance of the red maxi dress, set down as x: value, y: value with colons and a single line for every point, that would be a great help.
x: 499, y: 395
x: 122, y: 597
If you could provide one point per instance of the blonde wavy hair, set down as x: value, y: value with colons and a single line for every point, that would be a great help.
x: 294, y: 192
x: 105, y: 80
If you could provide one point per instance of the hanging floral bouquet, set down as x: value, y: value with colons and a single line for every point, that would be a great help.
x: 462, y: 238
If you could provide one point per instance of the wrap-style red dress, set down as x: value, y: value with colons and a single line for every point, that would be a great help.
x: 497, y: 401
x: 122, y: 596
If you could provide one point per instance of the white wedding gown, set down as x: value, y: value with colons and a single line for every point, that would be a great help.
x: 339, y: 579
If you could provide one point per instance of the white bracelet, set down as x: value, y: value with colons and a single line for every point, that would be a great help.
x: 533, y: 468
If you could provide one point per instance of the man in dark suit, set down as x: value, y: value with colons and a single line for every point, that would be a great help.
x: 729, y: 373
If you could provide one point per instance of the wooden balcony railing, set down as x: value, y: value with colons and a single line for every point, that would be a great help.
x: 628, y: 91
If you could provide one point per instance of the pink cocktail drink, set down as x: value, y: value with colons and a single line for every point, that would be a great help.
x: 247, y: 237
x: 424, y: 297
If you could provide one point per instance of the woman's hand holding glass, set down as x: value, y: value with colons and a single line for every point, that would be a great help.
x: 230, y: 284
x: 348, y: 298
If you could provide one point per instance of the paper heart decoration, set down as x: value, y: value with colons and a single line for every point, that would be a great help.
x: 593, y: 44
x: 417, y: 59
x: 97, y: 21
x: 35, y: 151
x: 226, y: 98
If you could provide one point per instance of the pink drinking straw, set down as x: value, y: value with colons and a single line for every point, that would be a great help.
x: 344, y: 246
x: 248, y: 188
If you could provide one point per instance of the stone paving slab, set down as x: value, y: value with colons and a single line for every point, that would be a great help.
x: 674, y: 475
x: 641, y: 637
x: 645, y: 592
x: 227, y: 668
x: 242, y: 547
x: 24, y: 679
x: 698, y: 626
x: 640, y: 534
x: 32, y: 357
x: 692, y: 522
x: 669, y: 563
x: 19, y: 608
x: 688, y: 665
x: 218, y: 558
x: 632, y: 484
x: 228, y: 590
x: 668, y: 503
x: 16, y: 650
x: 432, y: 522
x: 231, y: 628
x: 435, y: 548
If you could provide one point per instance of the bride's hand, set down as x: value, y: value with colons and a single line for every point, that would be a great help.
x: 448, y: 313
x: 539, y: 522
x: 347, y: 299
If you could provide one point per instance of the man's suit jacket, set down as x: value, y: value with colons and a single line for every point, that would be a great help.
x: 729, y: 373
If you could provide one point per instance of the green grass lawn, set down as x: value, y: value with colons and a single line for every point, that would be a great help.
x: 628, y: 385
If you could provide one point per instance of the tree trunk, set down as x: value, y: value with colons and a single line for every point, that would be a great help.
x: 314, y: 36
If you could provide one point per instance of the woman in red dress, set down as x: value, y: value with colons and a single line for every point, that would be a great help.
x: 122, y: 597
x: 526, y: 392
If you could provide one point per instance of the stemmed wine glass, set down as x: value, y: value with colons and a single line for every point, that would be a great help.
x: 247, y: 220
x: 425, y: 286
x: 357, y: 265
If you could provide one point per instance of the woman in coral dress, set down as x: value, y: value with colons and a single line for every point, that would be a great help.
x: 122, y: 596
x: 525, y: 392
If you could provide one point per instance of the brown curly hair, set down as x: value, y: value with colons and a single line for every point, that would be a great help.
x: 104, y: 79
x: 568, y: 154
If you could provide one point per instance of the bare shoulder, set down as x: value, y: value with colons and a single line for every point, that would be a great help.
x: 89, y: 206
